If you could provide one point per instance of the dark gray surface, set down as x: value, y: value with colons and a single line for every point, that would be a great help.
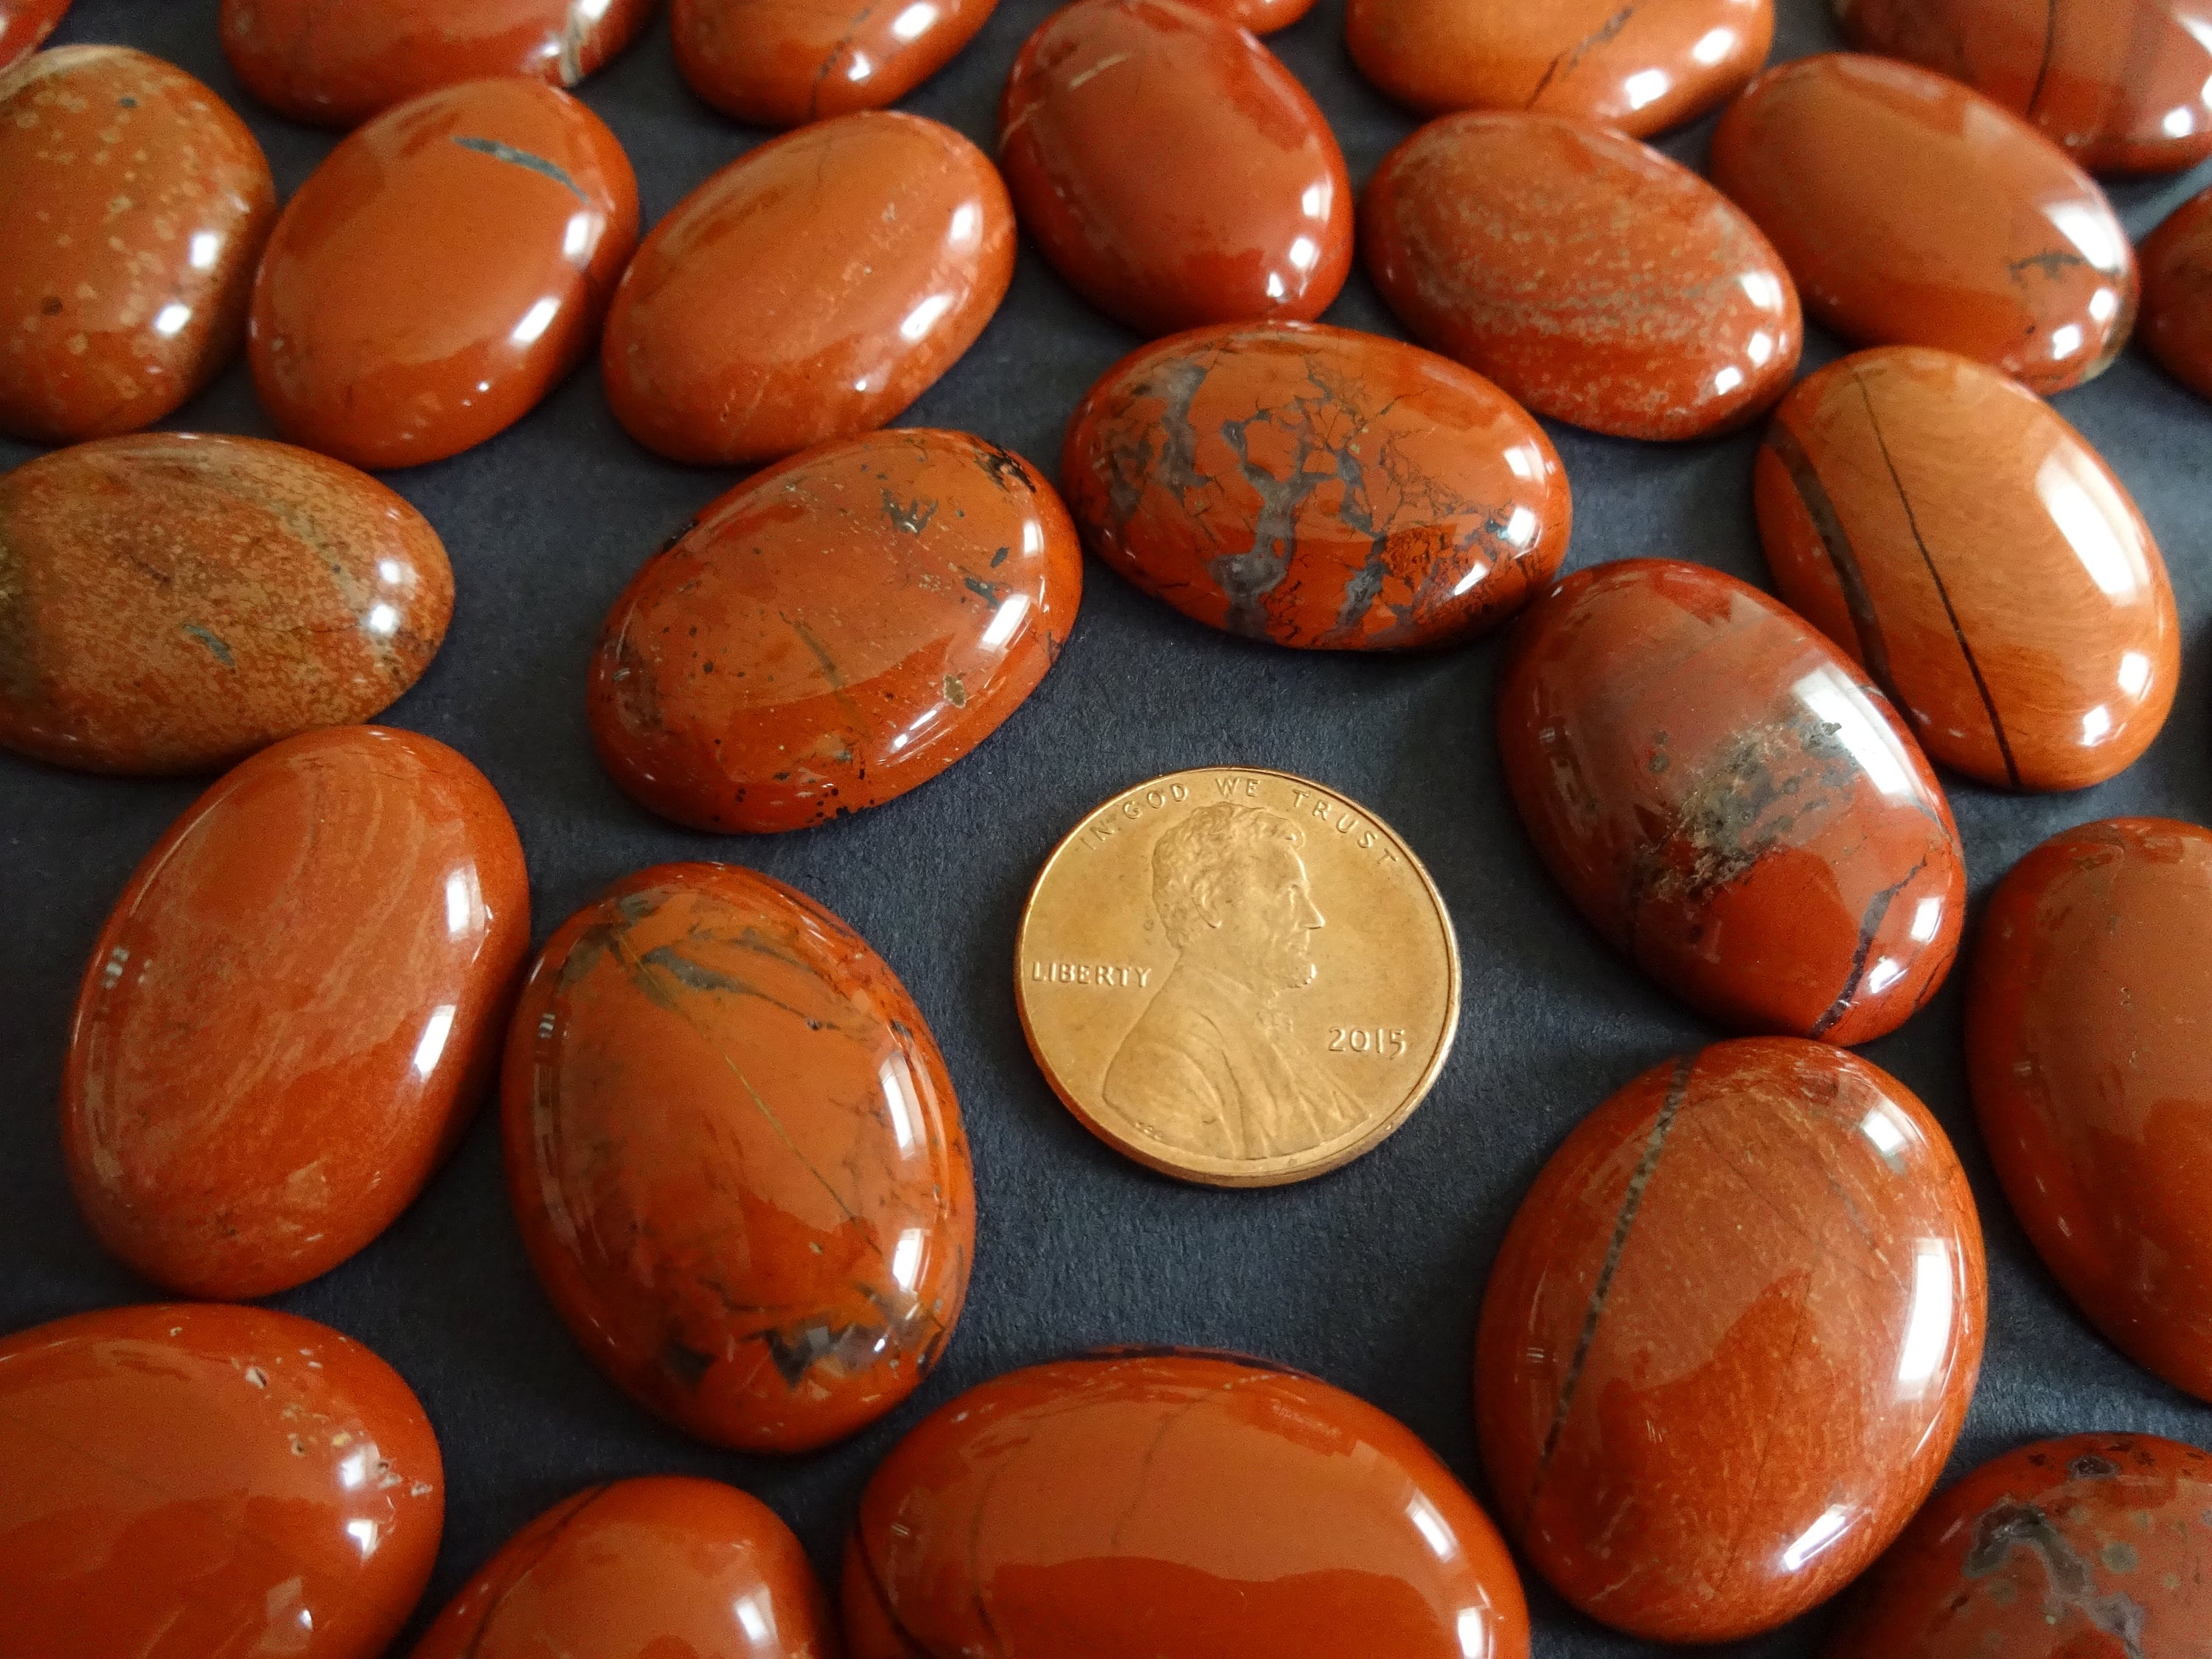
x: 1369, y: 1278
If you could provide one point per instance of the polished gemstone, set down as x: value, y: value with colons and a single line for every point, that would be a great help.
x: 662, y: 1567
x: 780, y: 62
x: 812, y: 289
x: 2089, y: 1547
x: 336, y: 65
x: 1914, y: 211
x: 441, y: 270
x: 1316, y: 487
x: 1638, y: 68
x: 1948, y: 529
x: 834, y: 631
x: 1260, y: 16
x: 1730, y: 1339
x: 2093, y: 1079
x: 1179, y: 1505
x: 189, y: 1480
x: 172, y: 602
x: 1728, y: 800
x: 2124, y: 86
x: 135, y: 204
x: 2176, y: 312
x: 1595, y: 280
x: 1172, y: 170
x: 737, y: 1159
x: 292, y: 1010
x: 25, y: 23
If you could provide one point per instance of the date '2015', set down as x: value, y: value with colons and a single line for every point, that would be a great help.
x: 1386, y: 1042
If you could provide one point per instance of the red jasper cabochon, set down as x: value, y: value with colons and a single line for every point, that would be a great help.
x: 1172, y: 170
x: 1946, y: 527
x: 2093, y: 1079
x: 2177, y: 308
x: 1593, y: 278
x: 834, y: 631
x: 1730, y: 1339
x: 25, y: 23
x: 1179, y: 1505
x: 440, y: 273
x: 1914, y: 211
x: 1317, y: 487
x: 336, y: 65
x: 2089, y: 1547
x: 639, y: 1569
x: 293, y: 1011
x: 780, y: 62
x: 1730, y: 802
x: 810, y: 290
x: 200, y: 1480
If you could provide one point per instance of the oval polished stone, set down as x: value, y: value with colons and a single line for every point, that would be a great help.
x: 2123, y: 86
x: 172, y: 603
x: 2093, y: 1080
x: 136, y: 204
x: 1729, y: 1339
x: 335, y: 66
x: 1106, y: 115
x: 1638, y: 68
x: 664, y: 1565
x: 1913, y: 211
x: 834, y: 631
x: 1948, y: 529
x: 1316, y: 487
x: 1084, y: 1506
x: 294, y: 1007
x: 189, y: 1480
x: 442, y: 271
x: 1595, y: 280
x: 1260, y: 16
x: 736, y: 1157
x: 2089, y: 1547
x: 2176, y: 312
x: 1728, y: 800
x: 812, y: 289
x: 780, y: 62
x: 25, y: 23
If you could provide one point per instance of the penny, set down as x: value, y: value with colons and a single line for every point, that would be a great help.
x: 1237, y: 976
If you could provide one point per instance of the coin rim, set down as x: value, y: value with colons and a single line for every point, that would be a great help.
x: 1379, y: 1131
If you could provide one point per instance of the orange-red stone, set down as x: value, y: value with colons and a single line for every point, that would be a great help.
x: 2093, y: 1079
x: 1179, y: 1505
x: 136, y: 204
x: 665, y: 1567
x: 812, y: 289
x: 294, y: 1007
x: 1948, y: 529
x: 780, y: 62
x: 1316, y: 487
x: 1260, y: 16
x: 834, y: 631
x: 440, y: 273
x: 1914, y: 211
x: 336, y: 65
x: 1593, y: 278
x: 2090, y: 1547
x: 1728, y: 800
x: 2177, y: 309
x: 1172, y: 170
x: 1730, y: 1339
x: 2123, y: 86
x: 737, y: 1159
x: 174, y: 602
x: 1638, y: 68
x: 25, y: 23
x: 191, y: 1480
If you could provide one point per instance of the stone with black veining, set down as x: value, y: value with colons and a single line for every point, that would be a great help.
x: 1317, y: 487
x: 2089, y: 1547
x: 1728, y: 800
x: 1730, y: 1339
x: 1947, y: 528
x: 737, y: 1159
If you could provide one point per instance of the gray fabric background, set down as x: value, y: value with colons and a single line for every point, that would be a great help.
x: 1370, y: 1276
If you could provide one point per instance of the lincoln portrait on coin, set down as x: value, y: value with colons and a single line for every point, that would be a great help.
x: 1213, y: 1066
